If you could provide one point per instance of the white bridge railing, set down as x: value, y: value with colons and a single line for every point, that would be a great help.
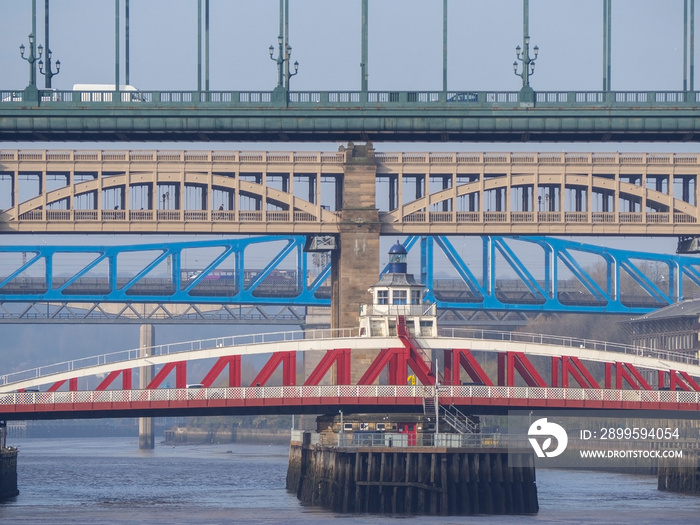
x: 123, y: 356
x: 401, y: 394
x: 344, y: 333
x: 568, y: 342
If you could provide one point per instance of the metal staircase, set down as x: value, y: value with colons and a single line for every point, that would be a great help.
x: 451, y: 415
x: 429, y: 406
x: 458, y: 420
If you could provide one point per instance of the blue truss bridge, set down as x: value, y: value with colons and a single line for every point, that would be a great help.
x: 521, y: 274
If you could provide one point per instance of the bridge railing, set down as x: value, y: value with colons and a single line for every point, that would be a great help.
x: 568, y: 342
x: 343, y: 333
x: 394, y: 439
x: 467, y: 98
x: 124, y: 356
x: 338, y: 394
x: 519, y: 217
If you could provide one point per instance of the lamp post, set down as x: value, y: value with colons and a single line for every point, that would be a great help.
x: 284, y: 54
x: 49, y: 70
x: 49, y: 74
x: 527, y: 95
x: 528, y: 68
x: 528, y: 63
x: 31, y: 59
x: 281, y: 58
x: 340, y: 432
x: 296, y: 66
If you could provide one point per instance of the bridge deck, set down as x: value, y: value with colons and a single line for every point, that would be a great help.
x: 322, y: 116
x: 312, y: 399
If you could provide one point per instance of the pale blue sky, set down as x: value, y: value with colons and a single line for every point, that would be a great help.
x: 405, y: 43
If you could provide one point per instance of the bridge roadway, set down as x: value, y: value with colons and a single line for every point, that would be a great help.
x: 258, y: 192
x: 322, y: 116
x: 292, y: 398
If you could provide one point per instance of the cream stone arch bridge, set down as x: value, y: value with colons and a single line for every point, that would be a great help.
x: 355, y: 194
x: 313, y: 192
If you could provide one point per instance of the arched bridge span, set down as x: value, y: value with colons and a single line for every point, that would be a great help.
x: 306, y: 192
x: 529, y: 371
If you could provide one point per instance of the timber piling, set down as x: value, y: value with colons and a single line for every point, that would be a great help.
x: 436, y: 481
x: 680, y: 474
x: 8, y: 467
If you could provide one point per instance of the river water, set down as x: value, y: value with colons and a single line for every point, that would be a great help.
x: 109, y: 481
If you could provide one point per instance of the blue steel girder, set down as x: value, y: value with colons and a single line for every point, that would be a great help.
x: 630, y: 282
x: 600, y: 292
x: 275, y: 284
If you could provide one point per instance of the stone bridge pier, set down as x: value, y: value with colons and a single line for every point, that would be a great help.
x: 147, y: 336
x: 355, y: 263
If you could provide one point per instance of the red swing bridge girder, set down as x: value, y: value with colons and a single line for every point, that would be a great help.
x: 518, y: 377
x: 513, y: 368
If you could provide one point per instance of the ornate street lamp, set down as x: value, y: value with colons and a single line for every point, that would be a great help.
x: 280, y: 60
x: 296, y: 65
x: 528, y: 68
x: 49, y: 74
x: 31, y: 59
x: 528, y: 63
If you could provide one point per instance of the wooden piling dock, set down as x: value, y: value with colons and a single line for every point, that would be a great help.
x: 680, y: 474
x: 412, y: 480
x: 8, y: 473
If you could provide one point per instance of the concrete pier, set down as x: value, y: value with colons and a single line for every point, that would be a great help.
x: 147, y: 336
x: 412, y: 480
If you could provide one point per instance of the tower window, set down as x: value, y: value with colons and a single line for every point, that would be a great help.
x: 415, y: 296
x: 400, y: 296
x: 382, y: 296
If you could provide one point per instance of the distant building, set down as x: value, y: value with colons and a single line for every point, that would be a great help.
x: 674, y: 328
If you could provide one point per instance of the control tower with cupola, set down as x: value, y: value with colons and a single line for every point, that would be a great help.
x: 397, y: 299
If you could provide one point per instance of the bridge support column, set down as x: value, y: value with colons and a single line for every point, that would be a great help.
x: 147, y: 335
x: 356, y: 263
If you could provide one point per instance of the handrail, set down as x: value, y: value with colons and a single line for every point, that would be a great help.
x: 393, y: 439
x: 346, y: 98
x: 176, y: 348
x: 341, y: 333
x: 409, y: 394
x: 568, y: 342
